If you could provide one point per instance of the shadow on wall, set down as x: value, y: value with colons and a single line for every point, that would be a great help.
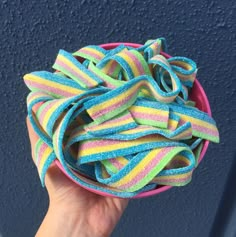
x: 225, y: 221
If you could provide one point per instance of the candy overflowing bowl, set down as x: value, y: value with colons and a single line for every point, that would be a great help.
x: 121, y: 119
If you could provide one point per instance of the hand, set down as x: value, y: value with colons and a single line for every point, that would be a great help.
x: 74, y: 211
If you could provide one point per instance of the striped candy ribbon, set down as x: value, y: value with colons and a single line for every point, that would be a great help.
x: 119, y: 121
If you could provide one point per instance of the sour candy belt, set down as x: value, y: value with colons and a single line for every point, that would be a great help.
x: 119, y: 121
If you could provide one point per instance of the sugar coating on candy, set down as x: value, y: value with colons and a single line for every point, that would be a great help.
x: 119, y: 121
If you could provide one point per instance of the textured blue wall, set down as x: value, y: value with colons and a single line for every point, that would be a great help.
x: 32, y: 32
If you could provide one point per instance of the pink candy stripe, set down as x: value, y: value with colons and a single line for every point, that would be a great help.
x: 201, y: 129
x: 112, y: 106
x: 139, y: 66
x: 101, y: 143
x: 172, y: 127
x: 77, y: 74
x: 181, y: 122
x: 141, y: 115
x: 85, y: 51
x: 205, y: 130
x: 41, y: 151
x: 147, y: 169
x: 98, y: 144
x: 109, y: 85
x: 44, y: 111
x: 114, y: 122
x: 52, y: 89
x: 112, y: 67
x: 116, y: 163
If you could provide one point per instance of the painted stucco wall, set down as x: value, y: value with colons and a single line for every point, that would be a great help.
x: 32, y: 32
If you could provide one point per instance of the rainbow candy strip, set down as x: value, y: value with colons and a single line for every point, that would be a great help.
x: 92, y: 53
x: 72, y: 68
x: 119, y: 121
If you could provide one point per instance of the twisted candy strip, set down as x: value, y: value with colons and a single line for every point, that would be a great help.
x: 120, y: 121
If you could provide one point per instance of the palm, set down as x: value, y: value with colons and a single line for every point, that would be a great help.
x: 102, y: 213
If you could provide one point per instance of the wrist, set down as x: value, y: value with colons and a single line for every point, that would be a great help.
x: 60, y: 221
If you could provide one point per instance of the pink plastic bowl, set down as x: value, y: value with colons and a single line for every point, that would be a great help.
x: 197, y: 94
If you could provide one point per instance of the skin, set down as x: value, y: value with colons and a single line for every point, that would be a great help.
x: 74, y: 211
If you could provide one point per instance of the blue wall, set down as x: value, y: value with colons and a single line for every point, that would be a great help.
x: 32, y: 32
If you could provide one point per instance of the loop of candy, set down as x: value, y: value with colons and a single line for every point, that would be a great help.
x: 119, y: 121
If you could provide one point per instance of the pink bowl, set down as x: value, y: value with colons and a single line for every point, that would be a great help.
x: 197, y: 94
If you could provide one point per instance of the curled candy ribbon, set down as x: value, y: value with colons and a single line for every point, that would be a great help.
x: 119, y: 121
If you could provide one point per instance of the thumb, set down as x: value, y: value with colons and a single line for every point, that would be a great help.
x: 33, y: 137
x: 54, y: 178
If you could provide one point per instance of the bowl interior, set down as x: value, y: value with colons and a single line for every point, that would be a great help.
x: 197, y: 94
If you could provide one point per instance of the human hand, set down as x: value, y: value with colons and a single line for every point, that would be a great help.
x: 74, y: 211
